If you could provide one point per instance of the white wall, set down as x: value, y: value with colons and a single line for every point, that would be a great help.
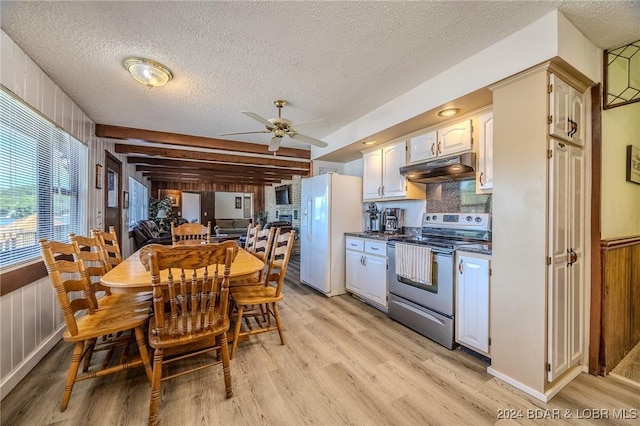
x: 620, y: 199
x: 30, y: 320
x: 226, y: 205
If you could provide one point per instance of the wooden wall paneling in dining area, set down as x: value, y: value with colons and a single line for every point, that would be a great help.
x: 208, y: 188
x: 620, y: 299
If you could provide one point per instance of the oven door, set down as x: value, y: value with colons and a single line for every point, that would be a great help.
x: 438, y: 296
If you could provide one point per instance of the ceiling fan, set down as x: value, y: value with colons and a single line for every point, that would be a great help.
x: 281, y: 127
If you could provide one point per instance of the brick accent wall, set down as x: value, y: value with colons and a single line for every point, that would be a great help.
x: 292, y: 209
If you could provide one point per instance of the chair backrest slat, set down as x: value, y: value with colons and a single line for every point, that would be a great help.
x: 110, y: 246
x: 252, y: 232
x: 88, y: 251
x: 190, y: 234
x: 67, y: 277
x: 279, y: 260
x: 196, y: 293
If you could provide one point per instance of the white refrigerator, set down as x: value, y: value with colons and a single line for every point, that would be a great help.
x: 331, y: 206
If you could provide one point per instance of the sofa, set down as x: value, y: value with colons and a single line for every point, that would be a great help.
x: 231, y: 226
x: 147, y: 232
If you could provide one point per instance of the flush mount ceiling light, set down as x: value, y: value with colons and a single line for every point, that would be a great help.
x: 369, y: 143
x: 148, y: 72
x: 449, y: 112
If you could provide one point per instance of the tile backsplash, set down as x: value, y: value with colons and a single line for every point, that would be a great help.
x: 456, y: 196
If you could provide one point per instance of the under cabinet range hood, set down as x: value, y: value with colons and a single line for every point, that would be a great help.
x: 453, y: 168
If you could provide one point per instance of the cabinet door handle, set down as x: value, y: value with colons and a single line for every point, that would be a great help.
x: 364, y: 260
x: 383, y: 190
x: 374, y: 248
x: 481, y: 176
x: 353, y: 245
x: 433, y: 148
x: 574, y: 128
x: 439, y: 147
x: 379, y: 188
x: 460, y: 266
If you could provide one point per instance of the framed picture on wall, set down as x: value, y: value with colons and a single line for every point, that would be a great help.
x: 172, y: 194
x: 98, y: 176
x: 238, y: 202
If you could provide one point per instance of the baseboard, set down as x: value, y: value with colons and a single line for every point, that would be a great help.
x: 21, y: 371
x: 516, y: 384
x: 566, y: 379
x: 546, y: 396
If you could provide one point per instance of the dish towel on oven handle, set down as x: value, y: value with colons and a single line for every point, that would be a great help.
x: 414, y: 262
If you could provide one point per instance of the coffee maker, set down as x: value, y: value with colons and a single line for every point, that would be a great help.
x: 373, y: 216
x: 391, y: 219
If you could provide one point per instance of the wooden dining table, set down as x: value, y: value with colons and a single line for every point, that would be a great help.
x: 130, y: 276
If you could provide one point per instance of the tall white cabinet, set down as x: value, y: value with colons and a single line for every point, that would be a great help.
x: 566, y: 252
x: 539, y: 285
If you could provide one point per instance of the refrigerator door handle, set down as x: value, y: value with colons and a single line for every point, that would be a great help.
x: 309, y: 221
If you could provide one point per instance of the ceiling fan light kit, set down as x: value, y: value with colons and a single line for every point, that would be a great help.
x: 148, y: 72
x: 281, y: 126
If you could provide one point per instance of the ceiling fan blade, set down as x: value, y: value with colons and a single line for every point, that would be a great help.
x: 308, y: 139
x: 309, y: 125
x: 275, y: 143
x: 258, y: 118
x: 242, y: 133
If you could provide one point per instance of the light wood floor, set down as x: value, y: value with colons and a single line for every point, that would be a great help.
x: 344, y: 363
x: 629, y: 367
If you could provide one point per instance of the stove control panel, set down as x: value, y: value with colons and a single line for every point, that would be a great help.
x: 475, y: 221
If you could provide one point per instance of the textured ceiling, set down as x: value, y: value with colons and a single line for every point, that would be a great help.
x: 330, y: 60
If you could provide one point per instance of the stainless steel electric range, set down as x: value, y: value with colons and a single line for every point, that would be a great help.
x: 429, y: 308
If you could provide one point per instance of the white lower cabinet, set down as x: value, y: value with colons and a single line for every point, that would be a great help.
x: 472, y: 301
x: 366, y: 270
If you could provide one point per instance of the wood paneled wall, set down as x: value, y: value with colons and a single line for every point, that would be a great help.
x: 620, y: 299
x: 204, y: 187
x: 30, y: 319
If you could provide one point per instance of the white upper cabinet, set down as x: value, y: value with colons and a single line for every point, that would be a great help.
x: 423, y: 147
x: 566, y: 111
x: 445, y: 141
x: 484, y: 174
x: 381, y: 178
x: 455, y: 138
x: 372, y: 175
x: 394, y: 157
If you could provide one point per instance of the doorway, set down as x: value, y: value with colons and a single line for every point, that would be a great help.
x: 191, y: 206
x: 112, y: 195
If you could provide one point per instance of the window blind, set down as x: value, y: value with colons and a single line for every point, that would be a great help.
x: 138, y: 202
x: 43, y: 182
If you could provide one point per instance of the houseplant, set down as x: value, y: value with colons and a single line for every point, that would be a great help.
x: 261, y: 217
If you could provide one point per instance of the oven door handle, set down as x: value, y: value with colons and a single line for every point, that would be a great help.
x: 420, y: 312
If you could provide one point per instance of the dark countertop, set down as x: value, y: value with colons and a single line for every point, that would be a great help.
x: 476, y: 248
x: 372, y: 235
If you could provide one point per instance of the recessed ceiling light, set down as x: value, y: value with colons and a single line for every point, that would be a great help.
x: 148, y: 72
x: 449, y: 112
x: 369, y: 142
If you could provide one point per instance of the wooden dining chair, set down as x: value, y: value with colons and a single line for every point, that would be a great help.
x: 87, y: 332
x: 262, y: 246
x: 191, y: 312
x: 259, y: 302
x: 88, y: 251
x: 109, y: 245
x: 252, y: 232
x: 190, y: 234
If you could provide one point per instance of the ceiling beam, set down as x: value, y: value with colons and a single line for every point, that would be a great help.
x: 207, y: 172
x: 210, y: 176
x: 125, y: 133
x: 164, y: 178
x: 208, y: 156
x: 200, y: 165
